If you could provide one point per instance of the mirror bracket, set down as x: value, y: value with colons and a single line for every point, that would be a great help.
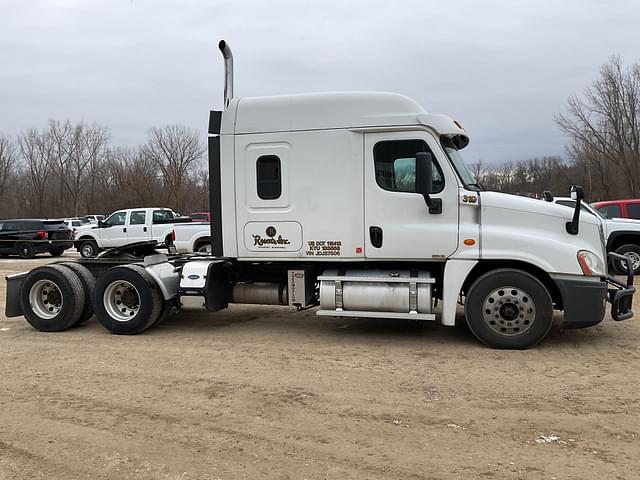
x: 577, y: 194
x: 434, y: 204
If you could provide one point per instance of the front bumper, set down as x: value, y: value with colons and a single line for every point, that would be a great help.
x: 621, y: 294
x: 584, y: 298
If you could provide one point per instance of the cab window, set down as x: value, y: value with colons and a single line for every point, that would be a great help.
x: 117, y: 218
x: 633, y: 210
x: 162, y: 216
x: 137, y: 218
x: 611, y: 211
x: 395, y: 165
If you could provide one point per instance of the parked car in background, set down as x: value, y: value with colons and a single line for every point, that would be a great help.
x: 622, y: 235
x: 74, y: 223
x: 94, y: 218
x: 127, y: 226
x: 619, y: 208
x: 200, y: 216
x: 27, y: 237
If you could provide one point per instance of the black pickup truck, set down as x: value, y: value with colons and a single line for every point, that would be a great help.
x: 26, y: 237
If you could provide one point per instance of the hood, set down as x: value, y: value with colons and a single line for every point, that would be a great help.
x: 86, y: 226
x: 532, y: 205
x: 623, y: 224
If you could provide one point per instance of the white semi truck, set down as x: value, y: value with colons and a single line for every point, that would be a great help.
x: 361, y: 204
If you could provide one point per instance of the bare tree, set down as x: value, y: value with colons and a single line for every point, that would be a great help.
x: 90, y: 145
x: 604, y: 124
x: 175, y: 150
x: 8, y: 159
x: 36, y: 149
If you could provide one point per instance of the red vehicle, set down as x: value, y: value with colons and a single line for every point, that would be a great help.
x: 200, y: 216
x: 629, y: 208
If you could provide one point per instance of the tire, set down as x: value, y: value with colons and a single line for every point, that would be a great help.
x: 634, y: 252
x: 25, y: 250
x: 127, y: 300
x: 167, y: 310
x: 55, y: 282
x: 56, y: 252
x: 509, y: 308
x: 88, y: 248
x: 88, y: 282
x: 204, y: 248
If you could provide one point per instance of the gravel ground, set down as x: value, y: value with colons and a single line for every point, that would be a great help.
x: 266, y: 393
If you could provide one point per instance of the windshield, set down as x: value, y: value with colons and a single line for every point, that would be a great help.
x: 458, y: 164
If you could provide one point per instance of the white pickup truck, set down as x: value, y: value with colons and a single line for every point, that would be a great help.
x: 127, y: 226
x: 192, y: 237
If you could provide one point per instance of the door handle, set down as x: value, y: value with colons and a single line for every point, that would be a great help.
x: 124, y: 229
x: 375, y: 234
x: 144, y: 229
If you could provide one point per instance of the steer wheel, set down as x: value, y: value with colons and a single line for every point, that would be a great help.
x: 508, y: 308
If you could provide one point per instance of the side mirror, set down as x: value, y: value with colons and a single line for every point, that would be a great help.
x: 103, y: 224
x: 424, y: 181
x: 577, y: 194
x: 548, y: 196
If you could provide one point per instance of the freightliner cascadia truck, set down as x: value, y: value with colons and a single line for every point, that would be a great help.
x: 360, y: 205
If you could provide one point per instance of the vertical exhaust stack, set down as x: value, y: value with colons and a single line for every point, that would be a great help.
x: 228, y: 71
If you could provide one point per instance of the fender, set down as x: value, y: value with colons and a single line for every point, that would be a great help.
x: 455, y: 274
x: 614, y: 236
x: 86, y: 236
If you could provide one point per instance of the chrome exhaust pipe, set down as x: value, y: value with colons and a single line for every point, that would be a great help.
x: 228, y: 71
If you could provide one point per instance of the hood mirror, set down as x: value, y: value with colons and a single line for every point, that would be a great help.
x: 577, y: 194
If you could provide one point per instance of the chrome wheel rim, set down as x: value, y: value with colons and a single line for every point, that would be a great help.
x: 509, y: 311
x: 635, y: 261
x: 45, y: 299
x: 121, y: 300
x: 205, y: 248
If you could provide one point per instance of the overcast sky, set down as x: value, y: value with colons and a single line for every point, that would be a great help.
x: 504, y: 69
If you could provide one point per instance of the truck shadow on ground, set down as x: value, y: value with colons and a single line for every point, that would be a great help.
x: 275, y: 321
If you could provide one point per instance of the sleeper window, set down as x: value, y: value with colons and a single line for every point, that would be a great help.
x: 395, y: 165
x: 269, y: 177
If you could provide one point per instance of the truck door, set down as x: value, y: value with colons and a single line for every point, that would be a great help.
x: 398, y: 224
x: 114, y: 233
x: 137, y: 230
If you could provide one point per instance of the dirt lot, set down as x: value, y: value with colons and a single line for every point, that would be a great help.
x: 261, y: 393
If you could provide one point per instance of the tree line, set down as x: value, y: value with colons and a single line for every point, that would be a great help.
x: 603, y: 152
x: 68, y: 169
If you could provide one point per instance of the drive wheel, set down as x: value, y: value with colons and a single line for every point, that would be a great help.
x: 127, y: 300
x: 88, y: 282
x: 88, y: 249
x: 52, y: 298
x: 509, y: 308
x: 631, y: 251
x: 56, y: 252
x: 25, y: 250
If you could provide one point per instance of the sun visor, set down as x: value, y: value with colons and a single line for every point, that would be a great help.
x: 447, y: 127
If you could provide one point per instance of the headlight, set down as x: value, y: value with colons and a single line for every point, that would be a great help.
x: 591, y: 264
